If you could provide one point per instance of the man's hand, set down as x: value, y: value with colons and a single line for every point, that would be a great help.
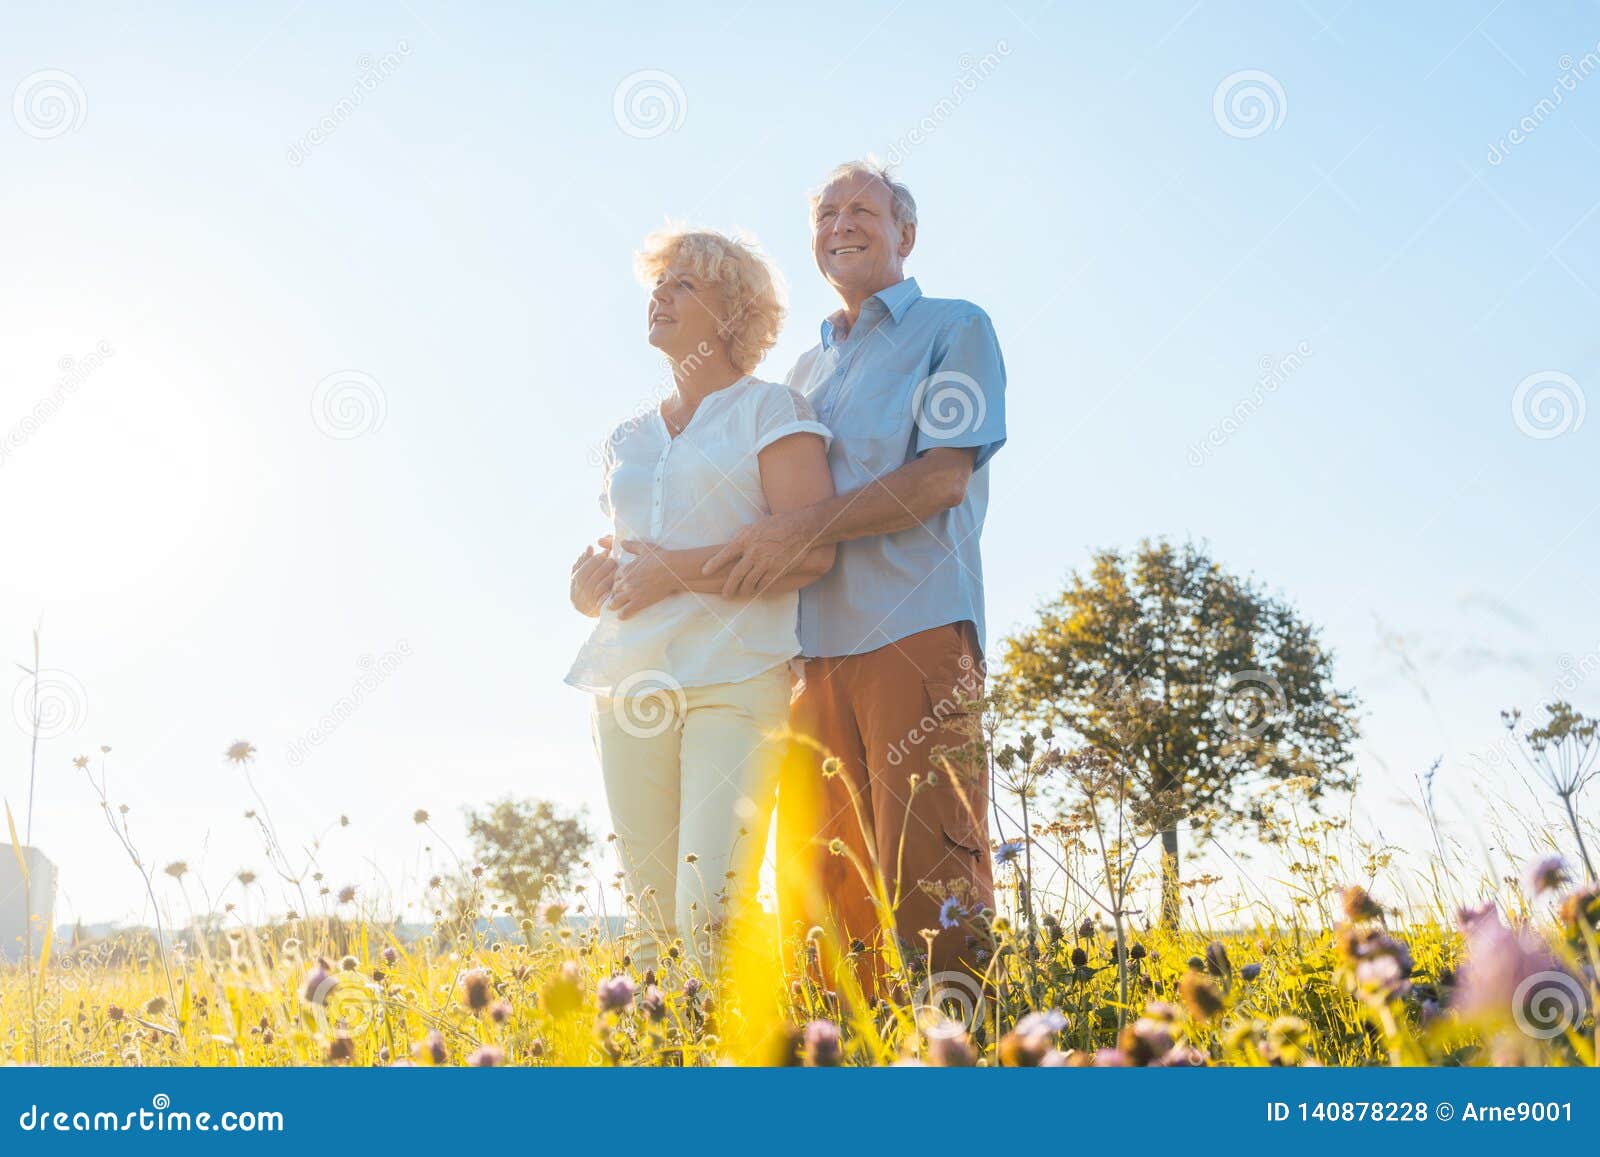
x: 592, y: 577
x: 641, y: 582
x: 762, y: 552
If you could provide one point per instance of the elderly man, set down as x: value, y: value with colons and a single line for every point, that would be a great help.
x: 882, y: 822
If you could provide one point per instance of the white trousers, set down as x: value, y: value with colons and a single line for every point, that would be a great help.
x: 691, y: 777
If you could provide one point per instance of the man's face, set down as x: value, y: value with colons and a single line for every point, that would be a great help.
x: 858, y: 246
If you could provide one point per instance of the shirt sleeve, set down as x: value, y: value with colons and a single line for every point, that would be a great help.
x: 962, y: 404
x: 781, y: 411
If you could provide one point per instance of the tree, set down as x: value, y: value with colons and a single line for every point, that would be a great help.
x: 521, y: 842
x: 1202, y: 684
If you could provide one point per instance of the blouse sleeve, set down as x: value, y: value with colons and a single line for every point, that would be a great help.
x: 781, y: 412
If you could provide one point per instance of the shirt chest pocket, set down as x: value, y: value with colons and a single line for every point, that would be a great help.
x: 872, y: 421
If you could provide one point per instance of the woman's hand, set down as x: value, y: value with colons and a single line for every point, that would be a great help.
x: 593, y: 578
x: 643, y: 581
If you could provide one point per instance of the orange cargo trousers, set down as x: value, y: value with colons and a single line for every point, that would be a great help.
x: 882, y: 806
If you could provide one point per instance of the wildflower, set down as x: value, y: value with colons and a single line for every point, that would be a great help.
x: 420, y: 816
x: 1217, y: 962
x: 1359, y: 906
x: 614, y: 994
x: 347, y: 893
x: 500, y: 1011
x: 239, y: 752
x: 341, y: 1049
x: 431, y: 1050
x: 1506, y: 972
x: 349, y: 964
x: 1182, y: 1057
x: 1008, y: 852
x: 1250, y: 971
x: 1288, y: 1041
x: 1086, y: 930
x: 653, y: 1003
x: 155, y: 1006
x: 831, y: 766
x: 1374, y: 965
x: 1046, y: 1023
x: 551, y: 913
x: 177, y: 869
x: 315, y: 986
x: 836, y: 846
x: 247, y: 877
x: 1080, y: 958
x: 1200, y: 995
x: 949, y: 1046
x: 1110, y: 1059
x: 691, y: 987
x: 1546, y: 874
x: 951, y: 912
x: 1580, y: 913
x: 474, y: 989
x: 487, y: 1057
x: 390, y: 956
x: 114, y: 1013
x: 81, y: 762
x: 1146, y: 1040
x: 1136, y: 952
x: 820, y: 1044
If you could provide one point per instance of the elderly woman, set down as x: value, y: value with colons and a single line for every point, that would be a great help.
x: 692, y: 688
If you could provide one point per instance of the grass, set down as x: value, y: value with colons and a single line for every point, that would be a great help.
x: 1334, y: 978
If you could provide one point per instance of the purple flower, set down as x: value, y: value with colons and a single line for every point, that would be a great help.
x: 1041, y: 1023
x: 822, y: 1049
x: 1250, y: 971
x: 1503, y: 971
x: 487, y: 1057
x: 1008, y: 852
x: 614, y: 993
x: 949, y: 1047
x: 1546, y: 874
x: 653, y: 1003
x: 315, y: 988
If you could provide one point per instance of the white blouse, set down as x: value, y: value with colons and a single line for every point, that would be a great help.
x: 695, y: 490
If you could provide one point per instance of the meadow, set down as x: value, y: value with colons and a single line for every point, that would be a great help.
x: 1366, y: 964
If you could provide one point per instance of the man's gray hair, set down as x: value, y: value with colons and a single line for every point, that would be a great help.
x: 905, y: 205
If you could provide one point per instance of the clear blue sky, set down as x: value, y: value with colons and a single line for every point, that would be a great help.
x: 211, y: 566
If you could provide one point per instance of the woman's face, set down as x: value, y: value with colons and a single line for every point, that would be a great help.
x: 681, y: 317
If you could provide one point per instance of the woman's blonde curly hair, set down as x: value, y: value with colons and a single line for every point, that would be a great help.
x: 749, y: 295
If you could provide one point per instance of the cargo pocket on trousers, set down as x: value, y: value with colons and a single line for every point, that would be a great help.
x: 956, y: 756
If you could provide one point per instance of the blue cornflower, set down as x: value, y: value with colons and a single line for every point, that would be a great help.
x: 951, y: 912
x: 1008, y: 852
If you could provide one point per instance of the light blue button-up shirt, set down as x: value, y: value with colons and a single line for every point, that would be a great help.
x: 913, y: 373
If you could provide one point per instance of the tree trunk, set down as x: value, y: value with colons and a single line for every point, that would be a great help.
x: 1171, y: 902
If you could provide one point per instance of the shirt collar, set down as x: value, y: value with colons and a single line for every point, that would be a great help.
x: 895, y: 300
